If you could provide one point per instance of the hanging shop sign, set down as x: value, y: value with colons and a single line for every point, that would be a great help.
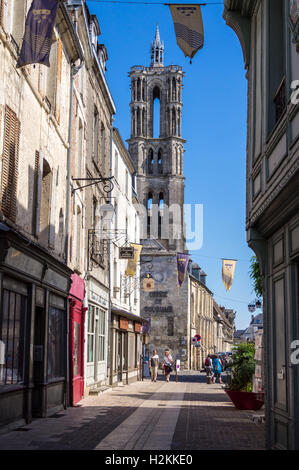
x: 123, y: 323
x: 126, y: 252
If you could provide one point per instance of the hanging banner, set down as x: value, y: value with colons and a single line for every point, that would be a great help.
x: 182, y: 264
x: 38, y: 33
x: 228, y: 270
x: 188, y: 28
x: 132, y: 263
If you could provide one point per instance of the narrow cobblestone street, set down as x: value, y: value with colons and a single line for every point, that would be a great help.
x: 188, y: 415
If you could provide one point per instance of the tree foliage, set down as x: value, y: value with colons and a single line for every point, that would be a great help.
x: 243, y: 368
x: 255, y: 275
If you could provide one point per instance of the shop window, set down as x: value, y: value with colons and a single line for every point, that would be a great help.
x: 90, y: 334
x: 12, y: 337
x: 56, y: 343
x: 101, y: 335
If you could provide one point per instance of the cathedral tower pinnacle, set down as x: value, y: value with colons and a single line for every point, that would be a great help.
x: 157, y: 51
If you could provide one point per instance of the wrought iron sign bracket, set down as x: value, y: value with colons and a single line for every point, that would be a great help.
x: 107, y: 187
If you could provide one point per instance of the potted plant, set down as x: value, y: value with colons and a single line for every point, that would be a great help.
x: 240, y: 384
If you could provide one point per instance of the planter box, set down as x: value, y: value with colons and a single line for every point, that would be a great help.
x: 246, y: 400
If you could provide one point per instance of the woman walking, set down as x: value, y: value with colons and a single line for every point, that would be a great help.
x: 167, y: 364
x: 217, y: 369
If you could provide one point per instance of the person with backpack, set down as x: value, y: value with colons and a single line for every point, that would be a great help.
x: 208, y: 365
x: 217, y: 369
x: 154, y: 361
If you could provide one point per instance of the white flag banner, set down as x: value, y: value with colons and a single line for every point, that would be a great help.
x: 228, y: 271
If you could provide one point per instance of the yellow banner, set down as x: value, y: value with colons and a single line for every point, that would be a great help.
x: 228, y: 270
x: 188, y: 28
x: 132, y: 263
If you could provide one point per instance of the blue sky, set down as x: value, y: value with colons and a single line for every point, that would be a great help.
x: 213, y: 123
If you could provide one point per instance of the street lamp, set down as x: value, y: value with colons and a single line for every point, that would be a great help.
x: 106, y: 212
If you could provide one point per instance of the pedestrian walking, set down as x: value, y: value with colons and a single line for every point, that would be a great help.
x: 217, y: 369
x: 167, y: 364
x: 208, y: 365
x: 154, y: 361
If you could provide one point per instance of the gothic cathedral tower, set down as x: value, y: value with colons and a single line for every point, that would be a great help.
x: 157, y: 148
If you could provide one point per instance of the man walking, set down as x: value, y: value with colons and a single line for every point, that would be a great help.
x: 154, y: 365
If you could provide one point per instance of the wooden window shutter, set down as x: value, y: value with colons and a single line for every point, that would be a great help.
x: 58, y: 80
x: 38, y: 174
x: 2, y: 13
x: 10, y: 163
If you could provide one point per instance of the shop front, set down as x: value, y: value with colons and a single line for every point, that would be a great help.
x: 96, y: 336
x: 34, y: 290
x: 76, y: 339
x: 126, y: 347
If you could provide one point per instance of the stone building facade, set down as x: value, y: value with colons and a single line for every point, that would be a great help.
x: 201, y: 317
x: 34, y: 278
x: 156, y: 147
x: 268, y: 33
x: 126, y: 337
x: 93, y: 110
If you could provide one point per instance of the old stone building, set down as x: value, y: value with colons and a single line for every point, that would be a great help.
x: 93, y: 108
x: 157, y: 148
x: 126, y: 337
x: 268, y: 33
x: 34, y: 276
x: 224, y: 328
x: 201, y: 316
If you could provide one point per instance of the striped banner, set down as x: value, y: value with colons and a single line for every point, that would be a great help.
x: 188, y: 28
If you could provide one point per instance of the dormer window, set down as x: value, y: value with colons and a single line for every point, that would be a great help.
x: 94, y: 30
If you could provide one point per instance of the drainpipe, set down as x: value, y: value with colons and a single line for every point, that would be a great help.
x: 73, y: 71
x: 110, y: 343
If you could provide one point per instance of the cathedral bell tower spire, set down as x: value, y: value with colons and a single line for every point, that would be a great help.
x: 157, y: 51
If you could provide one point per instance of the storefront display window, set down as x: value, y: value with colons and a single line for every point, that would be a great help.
x: 56, y: 351
x: 101, y: 335
x: 12, y: 337
x: 90, y: 333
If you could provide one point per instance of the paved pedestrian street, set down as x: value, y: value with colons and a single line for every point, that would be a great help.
x: 183, y: 415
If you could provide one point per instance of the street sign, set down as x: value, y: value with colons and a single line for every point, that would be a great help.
x: 126, y: 252
x: 178, y: 365
x: 196, y: 339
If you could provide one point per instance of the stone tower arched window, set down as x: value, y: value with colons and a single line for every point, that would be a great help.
x: 160, y: 162
x: 173, y: 130
x: 150, y: 161
x: 156, y: 112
